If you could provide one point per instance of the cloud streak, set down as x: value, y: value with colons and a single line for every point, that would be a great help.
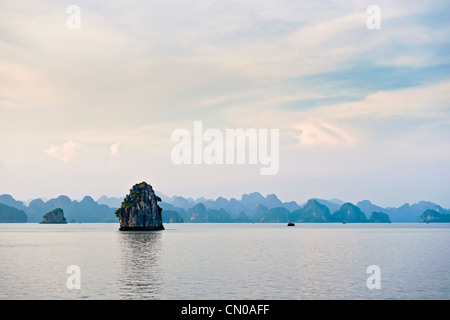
x: 65, y: 152
x: 114, y: 149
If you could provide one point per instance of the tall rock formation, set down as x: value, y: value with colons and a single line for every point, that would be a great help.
x: 140, y: 210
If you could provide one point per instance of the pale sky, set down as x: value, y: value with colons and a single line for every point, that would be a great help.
x: 362, y: 113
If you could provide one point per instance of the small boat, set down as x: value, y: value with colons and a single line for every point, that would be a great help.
x: 291, y: 224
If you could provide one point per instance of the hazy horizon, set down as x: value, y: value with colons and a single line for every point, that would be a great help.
x: 238, y: 197
x: 362, y: 113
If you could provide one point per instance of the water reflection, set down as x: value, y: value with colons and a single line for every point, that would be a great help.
x: 140, y: 274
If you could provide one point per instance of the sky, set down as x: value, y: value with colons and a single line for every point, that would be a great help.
x: 362, y: 113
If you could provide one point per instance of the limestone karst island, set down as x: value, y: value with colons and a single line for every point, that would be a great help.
x: 54, y: 216
x: 140, y: 210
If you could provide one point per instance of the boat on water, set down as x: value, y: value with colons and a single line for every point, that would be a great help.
x: 291, y: 224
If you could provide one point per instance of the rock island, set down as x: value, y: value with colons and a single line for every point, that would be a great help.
x: 140, y: 210
x: 54, y: 216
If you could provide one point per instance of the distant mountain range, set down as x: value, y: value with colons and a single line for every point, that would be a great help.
x: 252, y: 207
x: 86, y: 210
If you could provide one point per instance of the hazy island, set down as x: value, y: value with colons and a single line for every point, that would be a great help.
x: 11, y: 215
x: 434, y: 216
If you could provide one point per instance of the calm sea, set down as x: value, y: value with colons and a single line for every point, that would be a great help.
x: 225, y: 261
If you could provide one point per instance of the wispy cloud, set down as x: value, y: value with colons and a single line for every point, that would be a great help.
x: 114, y: 149
x: 64, y: 152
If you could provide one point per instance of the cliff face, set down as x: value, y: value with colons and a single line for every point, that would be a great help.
x: 140, y: 210
x: 54, y: 216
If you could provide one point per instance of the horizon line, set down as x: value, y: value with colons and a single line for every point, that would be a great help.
x: 197, y: 200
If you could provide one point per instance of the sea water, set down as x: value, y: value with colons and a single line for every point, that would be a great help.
x: 225, y: 261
